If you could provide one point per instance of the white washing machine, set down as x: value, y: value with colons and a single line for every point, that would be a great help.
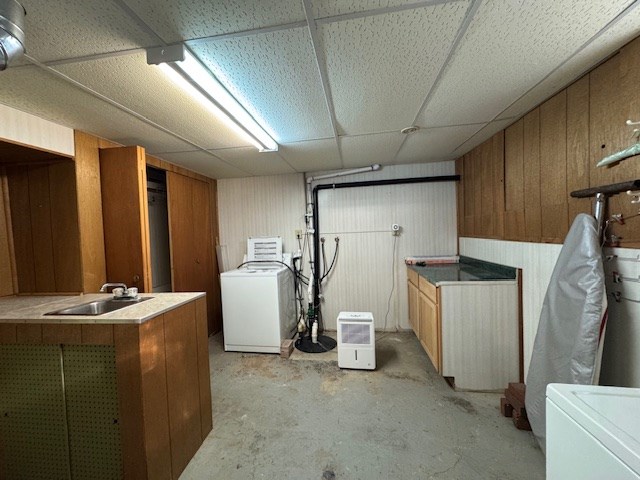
x: 593, y: 432
x: 258, y: 301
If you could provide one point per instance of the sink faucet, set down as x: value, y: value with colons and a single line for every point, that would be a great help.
x: 112, y: 285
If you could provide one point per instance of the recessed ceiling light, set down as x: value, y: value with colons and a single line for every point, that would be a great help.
x: 411, y: 129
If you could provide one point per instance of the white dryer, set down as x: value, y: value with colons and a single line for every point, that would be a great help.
x: 258, y: 307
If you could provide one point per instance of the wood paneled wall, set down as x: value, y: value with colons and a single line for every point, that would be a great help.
x: 516, y: 185
x: 45, y: 228
x: 7, y: 263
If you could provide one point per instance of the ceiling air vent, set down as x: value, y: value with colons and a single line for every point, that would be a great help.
x: 11, y: 32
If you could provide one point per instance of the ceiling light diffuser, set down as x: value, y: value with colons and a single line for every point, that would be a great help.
x: 202, y: 85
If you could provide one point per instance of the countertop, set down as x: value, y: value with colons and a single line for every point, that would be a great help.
x: 32, y: 308
x: 465, y: 270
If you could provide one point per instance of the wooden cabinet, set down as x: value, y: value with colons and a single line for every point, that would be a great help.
x: 429, y: 330
x: 136, y: 402
x: 123, y: 180
x: 412, y: 289
x: 126, y: 228
x: 190, y: 234
x: 468, y: 329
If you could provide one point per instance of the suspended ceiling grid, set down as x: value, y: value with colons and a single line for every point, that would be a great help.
x: 333, y: 81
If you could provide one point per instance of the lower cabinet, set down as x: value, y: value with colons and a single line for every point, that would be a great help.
x: 107, y: 401
x: 468, y: 329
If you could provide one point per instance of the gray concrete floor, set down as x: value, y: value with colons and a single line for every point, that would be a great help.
x: 304, y: 418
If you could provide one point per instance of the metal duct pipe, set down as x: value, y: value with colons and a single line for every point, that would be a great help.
x: 12, y: 16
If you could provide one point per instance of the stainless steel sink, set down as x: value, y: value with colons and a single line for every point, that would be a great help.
x: 99, y: 307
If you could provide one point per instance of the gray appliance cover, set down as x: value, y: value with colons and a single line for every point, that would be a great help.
x: 566, y: 344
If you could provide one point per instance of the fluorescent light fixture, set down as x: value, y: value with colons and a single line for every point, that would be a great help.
x: 184, y: 69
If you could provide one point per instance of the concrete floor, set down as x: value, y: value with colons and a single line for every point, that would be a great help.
x: 304, y: 418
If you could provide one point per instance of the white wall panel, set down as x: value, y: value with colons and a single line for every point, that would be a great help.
x: 370, y: 274
x: 258, y: 207
x: 536, y: 260
x: 26, y: 129
x: 621, y: 358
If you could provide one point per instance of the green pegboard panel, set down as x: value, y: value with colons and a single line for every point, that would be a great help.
x: 92, y: 412
x: 33, y: 426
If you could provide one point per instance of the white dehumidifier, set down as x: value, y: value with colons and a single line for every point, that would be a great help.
x: 356, y: 341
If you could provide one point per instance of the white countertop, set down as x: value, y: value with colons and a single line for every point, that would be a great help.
x: 32, y: 308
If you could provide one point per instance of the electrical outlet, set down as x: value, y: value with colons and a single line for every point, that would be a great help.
x: 298, y: 234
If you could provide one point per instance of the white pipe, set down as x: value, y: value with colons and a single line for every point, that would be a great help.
x: 342, y: 173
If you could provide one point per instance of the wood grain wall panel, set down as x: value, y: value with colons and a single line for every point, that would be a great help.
x: 204, y: 375
x: 181, y: 231
x: 18, y: 181
x: 469, y: 195
x: 460, y: 197
x: 531, y: 158
x: 62, y: 333
x: 553, y: 168
x: 89, y: 200
x: 7, y: 333
x: 28, y: 333
x: 614, y: 99
x: 215, y: 312
x: 578, y: 145
x: 130, y: 400
x: 153, y: 368
x: 487, y: 213
x: 182, y: 385
x: 96, y: 334
x: 514, y: 181
x: 476, y: 158
x: 65, y: 232
x: 7, y: 259
x: 203, y: 248
x: 41, y: 232
x: 497, y: 147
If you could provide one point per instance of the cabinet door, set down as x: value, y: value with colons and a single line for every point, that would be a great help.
x: 191, y: 241
x: 413, y: 308
x: 429, y: 328
x: 123, y: 180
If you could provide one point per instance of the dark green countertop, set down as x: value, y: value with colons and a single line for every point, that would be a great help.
x: 466, y: 270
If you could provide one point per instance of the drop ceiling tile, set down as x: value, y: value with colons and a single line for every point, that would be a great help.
x: 614, y: 38
x: 40, y: 93
x: 481, y: 135
x: 312, y: 155
x: 255, y: 162
x: 204, y: 163
x: 146, y: 90
x: 435, y: 144
x: 508, y: 47
x: 57, y: 29
x: 274, y: 75
x: 189, y: 19
x: 331, y: 8
x: 364, y: 150
x: 380, y: 68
